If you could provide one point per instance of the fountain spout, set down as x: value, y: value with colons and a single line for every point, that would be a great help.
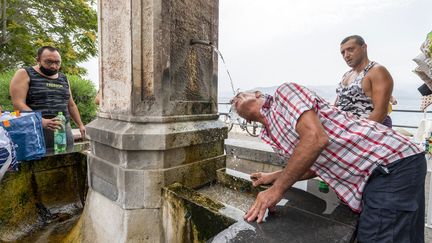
x: 200, y: 42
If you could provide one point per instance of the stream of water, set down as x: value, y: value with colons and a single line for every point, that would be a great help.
x: 235, y: 91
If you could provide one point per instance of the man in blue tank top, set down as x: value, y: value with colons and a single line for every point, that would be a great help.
x: 366, y: 89
x: 43, y: 88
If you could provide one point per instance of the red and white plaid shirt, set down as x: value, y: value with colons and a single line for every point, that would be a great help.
x: 357, y: 146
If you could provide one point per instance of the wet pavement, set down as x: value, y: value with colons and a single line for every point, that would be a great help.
x: 300, y: 217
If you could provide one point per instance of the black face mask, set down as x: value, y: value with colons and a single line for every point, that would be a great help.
x: 46, y: 71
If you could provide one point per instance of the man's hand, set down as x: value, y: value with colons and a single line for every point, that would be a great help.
x: 51, y: 124
x: 265, y: 200
x: 262, y: 178
x: 82, y: 131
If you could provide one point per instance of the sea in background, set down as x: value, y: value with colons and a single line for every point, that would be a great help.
x: 408, y: 98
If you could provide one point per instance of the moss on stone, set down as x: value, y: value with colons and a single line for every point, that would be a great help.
x: 51, y: 181
x: 193, y: 196
x: 17, y: 203
x: 196, y: 216
x: 236, y: 183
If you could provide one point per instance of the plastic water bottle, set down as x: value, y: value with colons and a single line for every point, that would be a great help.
x: 323, y: 187
x: 60, y: 135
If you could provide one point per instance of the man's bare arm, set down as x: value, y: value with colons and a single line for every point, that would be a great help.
x: 313, y: 139
x: 75, y: 115
x: 381, y: 90
x: 308, y: 175
x: 18, y: 89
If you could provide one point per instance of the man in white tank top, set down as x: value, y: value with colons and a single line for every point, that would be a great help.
x: 366, y: 89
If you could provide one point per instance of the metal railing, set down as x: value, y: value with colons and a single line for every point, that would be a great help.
x: 409, y: 111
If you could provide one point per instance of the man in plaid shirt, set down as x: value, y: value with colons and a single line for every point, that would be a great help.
x: 374, y: 170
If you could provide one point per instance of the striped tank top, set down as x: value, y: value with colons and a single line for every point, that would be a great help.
x: 352, y: 98
x: 47, y: 95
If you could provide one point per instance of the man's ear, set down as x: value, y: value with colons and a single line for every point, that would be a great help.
x: 258, y: 94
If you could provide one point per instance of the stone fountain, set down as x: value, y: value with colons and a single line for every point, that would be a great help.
x: 158, y: 121
x: 157, y: 145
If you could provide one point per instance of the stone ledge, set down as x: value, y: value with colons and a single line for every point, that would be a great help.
x: 154, y: 136
x: 134, y: 189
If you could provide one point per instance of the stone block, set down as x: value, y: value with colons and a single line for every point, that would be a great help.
x: 157, y: 159
x: 155, y: 136
x: 140, y: 188
x: 103, y: 177
x: 105, y: 221
x: 195, y: 174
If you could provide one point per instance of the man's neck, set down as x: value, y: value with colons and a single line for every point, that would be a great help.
x: 260, y: 118
x: 359, y: 68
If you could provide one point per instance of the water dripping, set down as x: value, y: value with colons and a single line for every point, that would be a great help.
x: 209, y: 43
x: 235, y: 91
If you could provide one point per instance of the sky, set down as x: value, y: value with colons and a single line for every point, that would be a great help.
x: 266, y: 43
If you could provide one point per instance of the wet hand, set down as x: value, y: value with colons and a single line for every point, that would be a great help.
x: 261, y: 178
x: 51, y: 124
x: 265, y: 200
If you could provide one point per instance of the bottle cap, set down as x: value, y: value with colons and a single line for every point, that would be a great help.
x: 60, y: 113
x: 6, y: 123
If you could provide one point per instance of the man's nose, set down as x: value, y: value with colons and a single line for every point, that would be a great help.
x: 346, y: 55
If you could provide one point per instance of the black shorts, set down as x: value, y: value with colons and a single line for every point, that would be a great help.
x: 394, y: 203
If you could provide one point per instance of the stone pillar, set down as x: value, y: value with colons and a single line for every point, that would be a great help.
x: 157, y: 122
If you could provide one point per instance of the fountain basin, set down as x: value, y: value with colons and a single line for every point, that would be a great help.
x: 300, y: 217
x: 44, y: 198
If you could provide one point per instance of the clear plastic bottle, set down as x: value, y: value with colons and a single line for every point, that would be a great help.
x: 60, y: 135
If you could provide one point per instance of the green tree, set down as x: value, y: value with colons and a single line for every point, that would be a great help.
x: 69, y: 25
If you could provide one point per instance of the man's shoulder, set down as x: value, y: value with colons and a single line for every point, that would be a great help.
x: 378, y: 72
x: 21, y: 70
x: 377, y: 68
x: 21, y: 73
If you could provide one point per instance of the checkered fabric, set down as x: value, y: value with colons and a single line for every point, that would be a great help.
x: 357, y: 146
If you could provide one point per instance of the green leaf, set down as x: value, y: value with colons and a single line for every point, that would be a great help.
x: 69, y: 25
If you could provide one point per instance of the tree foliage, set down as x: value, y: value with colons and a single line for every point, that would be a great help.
x: 26, y: 25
